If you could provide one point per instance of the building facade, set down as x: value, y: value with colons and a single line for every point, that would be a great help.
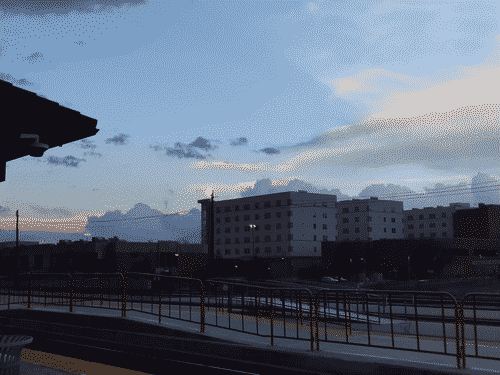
x: 481, y: 222
x: 431, y: 222
x: 369, y: 219
x: 288, y: 224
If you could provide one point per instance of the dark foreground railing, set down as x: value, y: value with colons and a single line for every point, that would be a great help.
x: 403, y: 320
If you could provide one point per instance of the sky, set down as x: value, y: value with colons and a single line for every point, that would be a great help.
x: 247, y: 97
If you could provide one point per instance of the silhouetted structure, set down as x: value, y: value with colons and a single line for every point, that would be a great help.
x: 29, y: 118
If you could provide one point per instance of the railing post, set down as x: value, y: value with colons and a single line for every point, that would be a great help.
x: 462, y: 323
x: 316, y: 305
x: 272, y: 320
x: 159, y: 305
x: 202, y: 308
x: 70, y: 293
x: 311, y: 298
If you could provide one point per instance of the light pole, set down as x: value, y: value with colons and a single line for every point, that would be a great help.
x: 252, y: 227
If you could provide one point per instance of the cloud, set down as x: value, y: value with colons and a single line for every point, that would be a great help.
x: 247, y: 167
x: 118, y: 140
x: 269, y: 150
x: 4, y: 211
x: 202, y: 143
x: 86, y: 143
x: 239, y: 142
x: 34, y: 57
x: 67, y: 104
x: 67, y: 161
x: 80, y: 43
x: 50, y: 212
x: 20, y: 82
x: 485, y: 189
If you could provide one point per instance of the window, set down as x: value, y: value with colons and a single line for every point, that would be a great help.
x: 257, y: 205
x: 218, y: 241
x: 246, y: 217
x: 325, y: 238
x: 227, y: 219
x: 345, y: 231
x: 289, y: 202
x: 393, y: 230
x: 385, y: 230
x: 345, y: 220
x: 267, y: 204
x: 236, y: 218
x: 278, y: 214
x: 267, y: 227
x: 267, y: 215
x: 267, y: 249
x: 421, y: 226
x: 278, y: 237
x: 385, y: 219
x: 315, y: 249
x: 314, y: 226
x: 290, y: 225
x: 325, y: 216
x: 356, y: 219
x: 246, y: 239
x: 345, y: 210
x: 278, y: 203
x: 257, y: 239
x: 432, y: 225
x: 246, y: 228
x: 246, y: 207
x: 356, y: 208
x: 433, y: 234
x: 257, y: 227
x: 314, y: 214
x: 369, y: 229
x: 278, y: 249
x: 267, y: 238
x: 227, y: 252
x: 237, y: 251
x: 410, y: 226
x: 289, y: 213
x: 218, y: 252
x: 257, y: 217
x: 237, y: 240
x: 217, y: 219
x: 228, y: 240
x: 443, y: 215
x: 443, y: 225
x: 369, y: 218
x: 227, y: 230
x: 257, y: 250
x: 290, y: 237
x: 356, y: 230
x: 227, y: 209
x: 420, y: 217
x: 393, y: 219
x: 237, y: 207
x: 324, y: 226
x: 217, y: 231
x: 247, y: 250
x: 217, y: 210
x: 290, y: 249
x: 314, y: 238
x: 445, y: 234
x: 410, y: 218
x: 278, y: 225
x: 432, y: 216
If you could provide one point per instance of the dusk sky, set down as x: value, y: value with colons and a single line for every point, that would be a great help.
x: 201, y: 95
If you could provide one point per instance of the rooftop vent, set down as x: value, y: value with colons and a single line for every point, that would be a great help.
x: 302, y: 191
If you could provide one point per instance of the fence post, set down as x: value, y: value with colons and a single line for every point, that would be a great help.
x: 316, y: 304
x: 202, y: 308
x: 272, y: 320
x: 29, y: 292
x: 124, y: 301
x: 159, y: 306
x: 462, y: 323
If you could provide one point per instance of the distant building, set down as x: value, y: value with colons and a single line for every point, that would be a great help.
x: 481, y: 222
x: 289, y: 224
x: 431, y: 222
x: 10, y: 244
x: 369, y: 219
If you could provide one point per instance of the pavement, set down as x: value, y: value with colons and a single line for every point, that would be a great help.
x: 141, y: 334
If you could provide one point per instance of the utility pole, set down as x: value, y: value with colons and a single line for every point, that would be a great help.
x: 17, y: 230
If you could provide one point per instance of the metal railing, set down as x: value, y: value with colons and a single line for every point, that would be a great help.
x: 349, y: 316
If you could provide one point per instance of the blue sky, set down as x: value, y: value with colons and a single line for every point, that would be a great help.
x: 195, y: 96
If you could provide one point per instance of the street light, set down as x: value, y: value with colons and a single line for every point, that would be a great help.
x: 252, y: 227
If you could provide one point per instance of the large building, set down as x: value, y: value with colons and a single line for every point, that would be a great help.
x: 288, y: 224
x: 431, y: 222
x: 369, y: 219
x: 478, y: 222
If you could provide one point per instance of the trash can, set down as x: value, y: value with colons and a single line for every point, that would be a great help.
x: 10, y: 353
